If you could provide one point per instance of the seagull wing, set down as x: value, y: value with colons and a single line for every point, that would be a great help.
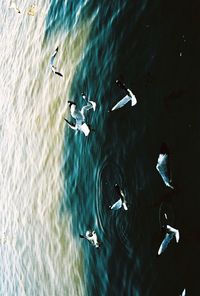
x: 121, y: 103
x: 122, y: 194
x: 93, y: 104
x: 90, y: 105
x: 123, y: 198
x: 74, y: 127
x: 125, y: 206
x: 52, y: 60
x: 165, y: 242
x: 53, y: 56
x: 85, y: 129
x: 177, y: 236
x: 133, y: 97
x: 117, y: 205
x: 175, y: 232
x: 163, y: 169
x: 183, y: 293
x: 58, y: 73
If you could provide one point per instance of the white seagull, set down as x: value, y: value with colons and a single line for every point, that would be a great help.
x: 91, y: 236
x: 163, y: 165
x: 121, y: 202
x: 170, y: 234
x: 129, y: 97
x: 79, y: 116
x: 53, y: 68
x: 14, y: 6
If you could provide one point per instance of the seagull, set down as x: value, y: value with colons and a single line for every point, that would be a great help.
x: 53, y: 68
x: 183, y: 293
x: 79, y: 116
x: 129, y: 97
x: 163, y: 166
x: 91, y: 236
x: 170, y: 234
x: 14, y: 6
x: 121, y: 202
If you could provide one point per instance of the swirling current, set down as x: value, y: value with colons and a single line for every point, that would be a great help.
x: 56, y: 183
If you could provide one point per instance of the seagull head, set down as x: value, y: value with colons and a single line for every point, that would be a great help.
x: 83, y: 95
x: 71, y: 103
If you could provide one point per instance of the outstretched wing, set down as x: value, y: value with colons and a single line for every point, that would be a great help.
x: 58, y: 73
x: 53, y: 56
x: 183, y: 293
x: 133, y: 97
x: 125, y: 206
x: 71, y: 124
x: 84, y: 128
x: 90, y: 105
x: 121, y: 103
x: 174, y: 231
x: 117, y: 205
x: 163, y: 169
x: 165, y: 242
x: 177, y: 236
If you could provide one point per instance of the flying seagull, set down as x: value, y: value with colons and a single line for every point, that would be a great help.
x: 79, y: 116
x: 170, y: 233
x: 129, y: 97
x: 91, y: 236
x: 53, y: 68
x: 121, y: 202
x: 163, y: 166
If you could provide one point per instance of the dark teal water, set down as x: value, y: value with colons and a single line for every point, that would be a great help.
x: 154, y: 47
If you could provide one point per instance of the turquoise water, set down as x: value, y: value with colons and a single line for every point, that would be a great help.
x: 56, y: 184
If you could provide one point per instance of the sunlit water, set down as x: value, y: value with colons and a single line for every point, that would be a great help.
x: 39, y: 255
x: 56, y: 183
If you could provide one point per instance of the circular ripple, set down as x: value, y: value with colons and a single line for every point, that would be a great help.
x: 114, y: 224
